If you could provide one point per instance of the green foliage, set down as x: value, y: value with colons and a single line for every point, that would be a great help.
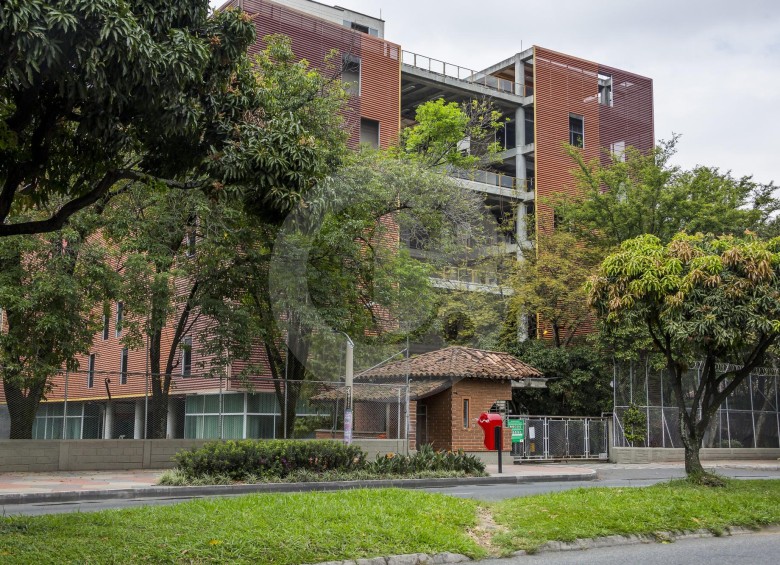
x: 644, y: 194
x: 551, y: 282
x: 698, y: 298
x: 49, y: 286
x: 435, y: 140
x: 273, y: 458
x: 634, y: 424
x: 579, y: 380
x: 426, y: 459
x: 94, y: 95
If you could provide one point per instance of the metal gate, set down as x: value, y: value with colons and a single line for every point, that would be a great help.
x: 561, y: 437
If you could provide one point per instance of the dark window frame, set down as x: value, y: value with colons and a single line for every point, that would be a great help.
x: 91, y: 371
x: 577, y: 130
x: 123, y: 360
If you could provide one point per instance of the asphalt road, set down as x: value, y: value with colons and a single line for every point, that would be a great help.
x: 607, y: 477
x: 760, y: 548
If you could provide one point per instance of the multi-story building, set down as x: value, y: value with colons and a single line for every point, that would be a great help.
x: 548, y: 98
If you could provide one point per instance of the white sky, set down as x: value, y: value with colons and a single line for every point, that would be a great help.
x: 715, y: 64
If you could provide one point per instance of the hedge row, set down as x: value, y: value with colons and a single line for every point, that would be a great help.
x: 240, y: 459
x: 265, y: 459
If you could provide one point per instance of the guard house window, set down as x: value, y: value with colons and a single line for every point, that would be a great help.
x: 369, y: 132
x: 465, y: 412
x: 350, y: 74
x: 576, y: 131
x: 120, y: 315
x: 91, y: 371
x: 123, y: 367
x: 186, y: 356
x: 605, y: 90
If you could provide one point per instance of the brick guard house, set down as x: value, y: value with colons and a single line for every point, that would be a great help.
x: 448, y: 390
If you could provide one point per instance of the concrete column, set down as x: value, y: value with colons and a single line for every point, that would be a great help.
x: 522, y: 247
x: 519, y: 76
x: 171, y: 425
x: 138, y: 425
x: 108, y: 421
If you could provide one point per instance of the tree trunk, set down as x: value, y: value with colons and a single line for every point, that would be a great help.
x: 692, y: 444
x: 22, y: 408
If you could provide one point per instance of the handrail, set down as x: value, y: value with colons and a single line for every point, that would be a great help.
x: 468, y: 275
x: 465, y: 74
x: 494, y: 179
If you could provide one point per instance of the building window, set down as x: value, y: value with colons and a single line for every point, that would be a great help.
x: 369, y: 132
x: 466, y: 413
x: 123, y: 367
x: 106, y: 319
x: 618, y: 150
x: 186, y: 356
x: 350, y: 74
x: 120, y: 315
x: 605, y: 90
x: 576, y: 130
x: 91, y: 371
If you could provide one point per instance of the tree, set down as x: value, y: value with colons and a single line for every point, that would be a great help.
x: 699, y: 298
x: 337, y: 265
x: 94, y: 95
x: 638, y: 193
x: 551, y: 282
x: 49, y: 286
x: 578, y: 379
x: 179, y: 250
x: 451, y: 134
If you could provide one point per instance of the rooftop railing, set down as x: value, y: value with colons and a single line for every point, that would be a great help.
x: 464, y: 74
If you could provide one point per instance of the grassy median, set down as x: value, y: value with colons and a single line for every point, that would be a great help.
x: 313, y: 527
x: 676, y: 506
x: 278, y: 529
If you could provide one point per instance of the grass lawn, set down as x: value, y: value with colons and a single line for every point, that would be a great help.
x: 668, y: 507
x: 312, y: 527
x: 286, y: 528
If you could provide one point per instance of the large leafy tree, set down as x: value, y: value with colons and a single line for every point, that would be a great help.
x: 699, y: 298
x: 96, y: 93
x: 337, y: 265
x: 180, y: 251
x: 639, y: 193
x: 49, y: 285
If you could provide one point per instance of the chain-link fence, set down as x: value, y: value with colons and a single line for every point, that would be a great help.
x: 553, y: 437
x: 95, y: 405
x: 748, y: 418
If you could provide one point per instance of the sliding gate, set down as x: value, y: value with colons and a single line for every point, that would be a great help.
x: 553, y: 437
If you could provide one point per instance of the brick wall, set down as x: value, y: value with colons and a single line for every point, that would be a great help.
x: 481, y: 394
x: 439, y: 418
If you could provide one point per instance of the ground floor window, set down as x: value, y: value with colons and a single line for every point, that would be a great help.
x: 243, y: 415
x: 82, y: 422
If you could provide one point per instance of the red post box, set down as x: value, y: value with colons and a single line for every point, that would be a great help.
x: 489, y: 423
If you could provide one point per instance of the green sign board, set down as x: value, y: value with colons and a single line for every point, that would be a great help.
x: 518, y: 430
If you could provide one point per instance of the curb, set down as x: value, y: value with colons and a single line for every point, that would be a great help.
x: 231, y: 490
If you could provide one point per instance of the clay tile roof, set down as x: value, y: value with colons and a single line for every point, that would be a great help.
x: 371, y: 392
x: 455, y: 362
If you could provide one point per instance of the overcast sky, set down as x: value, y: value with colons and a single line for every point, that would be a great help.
x: 715, y: 64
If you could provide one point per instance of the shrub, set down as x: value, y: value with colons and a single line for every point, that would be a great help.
x: 266, y: 459
x: 426, y: 459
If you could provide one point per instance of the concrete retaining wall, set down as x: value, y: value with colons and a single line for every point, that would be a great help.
x: 90, y: 455
x: 5, y: 422
x: 41, y: 456
x: 671, y: 455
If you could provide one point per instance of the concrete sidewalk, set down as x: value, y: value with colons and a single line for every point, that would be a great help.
x: 23, y: 488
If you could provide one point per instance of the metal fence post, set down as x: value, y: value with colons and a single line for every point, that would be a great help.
x: 65, y: 409
x: 752, y: 410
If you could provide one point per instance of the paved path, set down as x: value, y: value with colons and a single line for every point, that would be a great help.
x: 85, y: 481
